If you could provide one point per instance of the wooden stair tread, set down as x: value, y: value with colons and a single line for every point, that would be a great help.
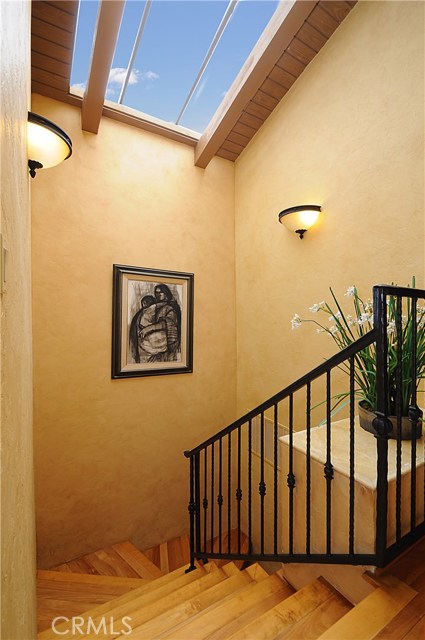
x: 233, y: 546
x: 137, y: 560
x: 240, y: 609
x: 63, y: 579
x: 373, y: 613
x: 53, y: 606
x: 50, y: 609
x: 286, y: 613
x: 417, y: 632
x: 171, y: 554
x: 176, y: 552
x: 79, y: 594
x: 122, y: 560
x: 407, y: 567
x: 175, y: 616
x: 406, y: 619
x: 78, y: 565
x: 71, y: 594
x: 106, y: 562
x: 257, y: 572
x: 160, y: 587
x: 318, y: 621
x: 143, y: 608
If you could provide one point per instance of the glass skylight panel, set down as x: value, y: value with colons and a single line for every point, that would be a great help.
x: 176, y: 38
x: 133, y: 12
x: 87, y: 14
x: 238, y: 40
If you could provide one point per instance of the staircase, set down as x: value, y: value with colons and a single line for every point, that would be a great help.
x: 121, y: 592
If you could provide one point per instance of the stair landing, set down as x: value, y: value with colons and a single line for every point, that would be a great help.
x: 219, y: 603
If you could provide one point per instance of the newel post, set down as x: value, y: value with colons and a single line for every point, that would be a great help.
x: 381, y: 423
x: 192, y: 510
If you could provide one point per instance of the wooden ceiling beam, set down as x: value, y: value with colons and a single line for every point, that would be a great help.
x: 285, y: 23
x: 106, y: 35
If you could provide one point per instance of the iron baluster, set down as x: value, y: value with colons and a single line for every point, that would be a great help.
x: 220, y: 493
x: 229, y: 491
x: 308, y: 470
x: 212, y: 496
x: 275, y: 478
x: 352, y: 479
x: 291, y: 476
x: 262, y: 484
x: 329, y: 471
x: 398, y: 399
x: 205, y: 499
x: 413, y: 417
x: 250, y: 485
x: 191, y: 509
x: 197, y: 476
x: 239, y: 490
x: 381, y: 423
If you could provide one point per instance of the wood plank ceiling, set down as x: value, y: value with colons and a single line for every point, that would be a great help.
x: 53, y: 28
x: 324, y: 19
x: 52, y: 41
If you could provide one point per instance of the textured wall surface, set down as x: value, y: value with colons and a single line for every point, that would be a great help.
x: 109, y: 453
x: 349, y: 136
x: 17, y: 486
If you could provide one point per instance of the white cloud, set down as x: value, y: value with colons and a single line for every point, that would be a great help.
x: 78, y: 88
x: 117, y: 75
x: 116, y: 80
x: 111, y: 92
x: 150, y: 75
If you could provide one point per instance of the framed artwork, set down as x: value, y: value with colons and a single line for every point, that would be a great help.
x: 152, y: 322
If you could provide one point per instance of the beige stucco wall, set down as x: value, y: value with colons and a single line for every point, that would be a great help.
x: 17, y: 487
x: 109, y: 453
x: 349, y: 136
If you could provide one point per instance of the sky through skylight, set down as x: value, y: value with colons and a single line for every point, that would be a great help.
x: 176, y: 38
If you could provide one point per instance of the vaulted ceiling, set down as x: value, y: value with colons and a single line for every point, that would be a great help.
x: 291, y: 40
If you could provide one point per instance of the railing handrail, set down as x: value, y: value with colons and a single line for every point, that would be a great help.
x: 394, y: 290
x: 335, y: 360
x: 208, y: 496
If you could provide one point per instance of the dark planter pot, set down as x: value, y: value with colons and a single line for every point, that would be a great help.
x: 366, y: 418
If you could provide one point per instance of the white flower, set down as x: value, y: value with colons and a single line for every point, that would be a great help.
x: 368, y: 306
x: 391, y: 328
x: 350, y: 320
x: 334, y: 330
x: 317, y: 307
x: 320, y: 330
x: 351, y: 291
x: 296, y: 321
x: 364, y: 318
x: 336, y: 316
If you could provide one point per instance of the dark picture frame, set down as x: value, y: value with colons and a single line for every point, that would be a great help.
x: 152, y: 322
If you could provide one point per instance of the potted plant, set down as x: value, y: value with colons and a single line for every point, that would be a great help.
x: 345, y: 328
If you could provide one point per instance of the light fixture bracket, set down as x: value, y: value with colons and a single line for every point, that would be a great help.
x: 33, y: 165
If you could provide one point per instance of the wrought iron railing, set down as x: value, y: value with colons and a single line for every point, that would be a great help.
x: 304, y: 484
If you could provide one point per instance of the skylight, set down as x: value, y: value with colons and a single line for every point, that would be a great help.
x: 175, y: 40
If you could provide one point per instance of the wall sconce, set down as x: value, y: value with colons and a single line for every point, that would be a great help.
x: 48, y: 145
x: 301, y: 218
